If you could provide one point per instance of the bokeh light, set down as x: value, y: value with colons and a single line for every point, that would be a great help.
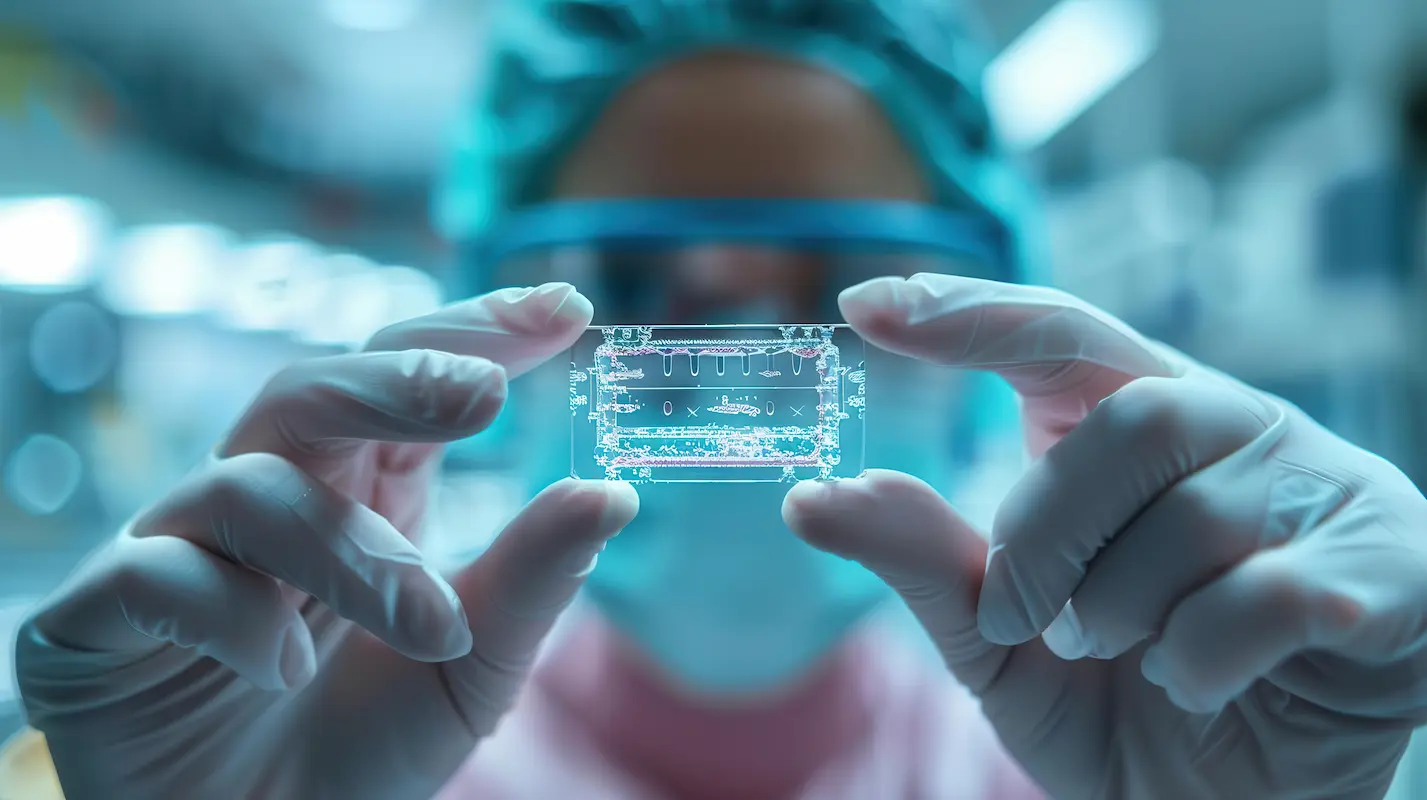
x: 42, y: 474
x: 166, y: 270
x: 49, y: 243
x: 72, y: 346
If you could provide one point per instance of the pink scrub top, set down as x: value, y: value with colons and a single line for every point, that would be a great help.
x: 877, y: 721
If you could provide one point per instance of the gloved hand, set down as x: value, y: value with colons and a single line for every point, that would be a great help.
x: 268, y: 630
x: 1194, y: 591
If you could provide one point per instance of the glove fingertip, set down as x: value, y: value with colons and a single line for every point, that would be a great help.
x: 1001, y: 616
x: 459, y: 641
x: 823, y: 514
x: 297, y: 656
x: 874, y: 308
x: 621, y: 506
x: 801, y: 502
x: 574, y: 310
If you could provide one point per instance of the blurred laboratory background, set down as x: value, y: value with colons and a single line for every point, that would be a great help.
x: 194, y: 194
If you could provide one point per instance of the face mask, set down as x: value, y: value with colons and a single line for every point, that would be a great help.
x: 713, y: 587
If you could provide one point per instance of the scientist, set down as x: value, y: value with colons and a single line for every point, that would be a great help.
x: 1194, y: 591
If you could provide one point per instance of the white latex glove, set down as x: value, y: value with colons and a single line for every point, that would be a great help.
x: 268, y: 630
x: 1247, y: 593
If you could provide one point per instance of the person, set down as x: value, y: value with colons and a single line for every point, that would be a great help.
x: 1193, y: 591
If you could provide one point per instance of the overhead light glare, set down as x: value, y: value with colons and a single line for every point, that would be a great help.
x: 1065, y: 63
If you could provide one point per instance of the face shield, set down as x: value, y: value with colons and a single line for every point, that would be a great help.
x: 707, y: 261
x: 707, y: 579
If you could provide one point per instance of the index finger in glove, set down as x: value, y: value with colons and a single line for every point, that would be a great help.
x: 1067, y: 516
x: 1061, y: 354
x: 433, y: 379
x: 265, y: 514
x: 136, y: 595
x: 518, y: 327
x: 201, y: 570
x: 1355, y: 587
x: 326, y: 407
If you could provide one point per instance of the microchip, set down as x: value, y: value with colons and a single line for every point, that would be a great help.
x: 696, y: 403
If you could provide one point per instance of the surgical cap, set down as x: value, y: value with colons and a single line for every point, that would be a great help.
x: 554, y: 65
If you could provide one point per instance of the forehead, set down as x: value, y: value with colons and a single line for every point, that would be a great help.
x: 738, y: 125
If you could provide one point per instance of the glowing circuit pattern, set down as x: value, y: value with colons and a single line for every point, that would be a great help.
x: 717, y: 403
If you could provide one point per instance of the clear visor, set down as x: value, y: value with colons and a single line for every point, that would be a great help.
x: 717, y: 284
x: 731, y: 262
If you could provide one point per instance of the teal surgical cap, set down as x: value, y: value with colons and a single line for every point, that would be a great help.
x: 554, y: 65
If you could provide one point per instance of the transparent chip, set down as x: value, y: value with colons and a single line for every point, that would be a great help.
x: 703, y: 403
